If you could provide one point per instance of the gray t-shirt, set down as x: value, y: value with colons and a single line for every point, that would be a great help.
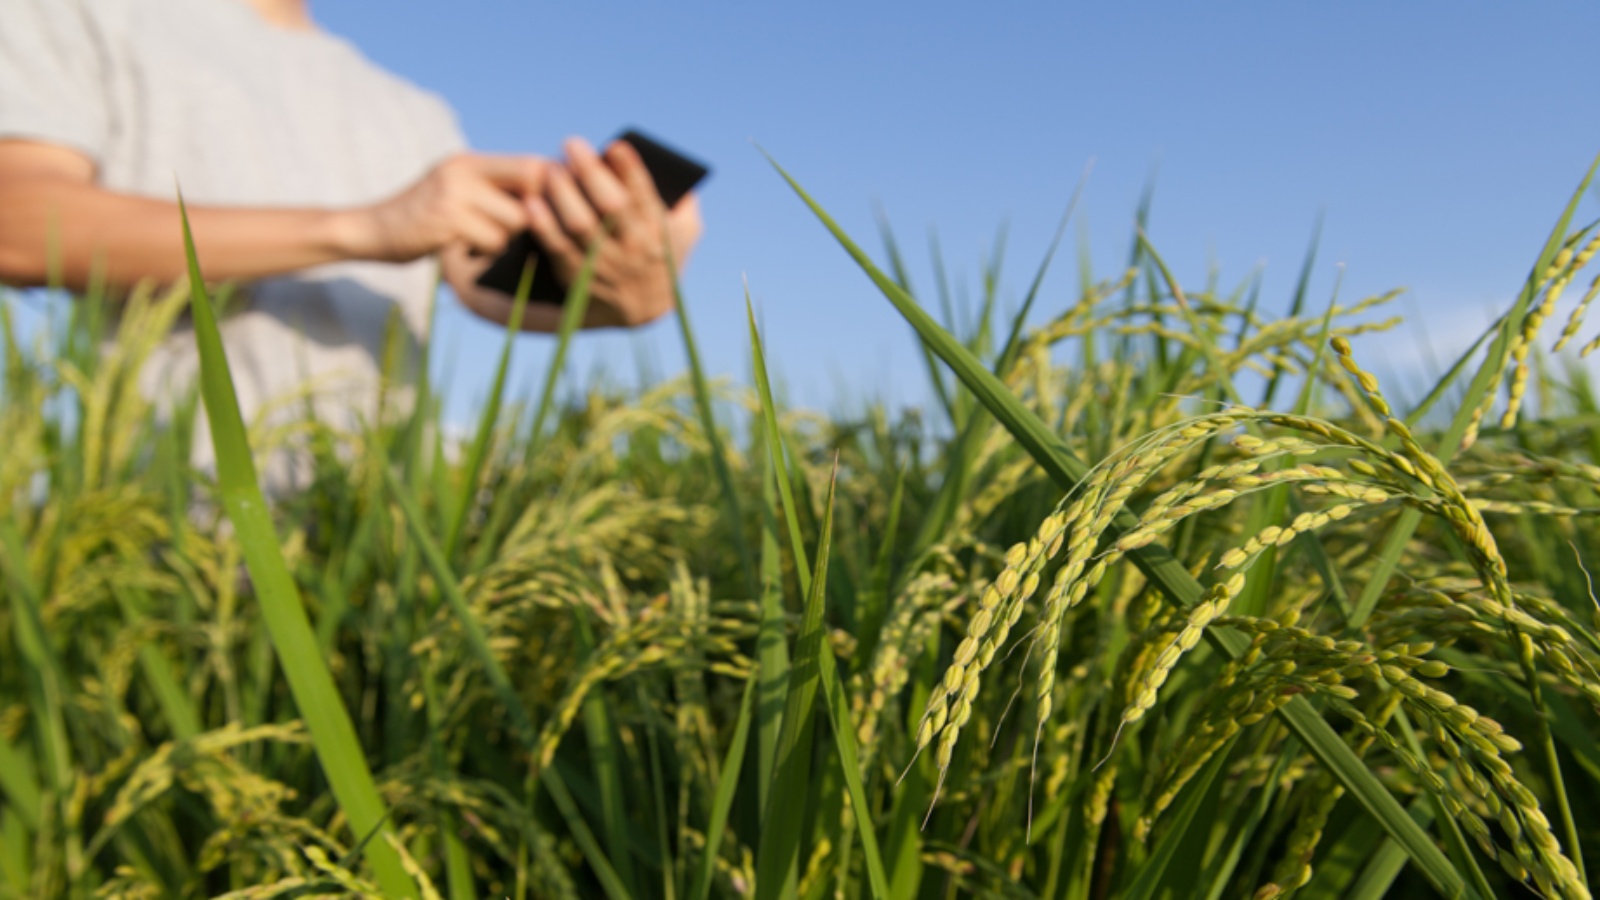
x: 206, y: 95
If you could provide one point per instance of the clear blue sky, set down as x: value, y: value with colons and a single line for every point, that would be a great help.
x: 1439, y: 140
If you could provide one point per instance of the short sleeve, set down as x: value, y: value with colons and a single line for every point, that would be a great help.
x: 52, y: 76
x: 450, y: 136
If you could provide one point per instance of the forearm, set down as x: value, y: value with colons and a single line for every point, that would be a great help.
x: 73, y: 231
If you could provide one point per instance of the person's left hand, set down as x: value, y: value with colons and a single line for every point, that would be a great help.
x: 614, y: 200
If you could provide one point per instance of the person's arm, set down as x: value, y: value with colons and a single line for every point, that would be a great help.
x: 614, y: 200
x: 54, y: 217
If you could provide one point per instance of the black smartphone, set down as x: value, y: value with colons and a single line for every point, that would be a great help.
x: 674, y: 174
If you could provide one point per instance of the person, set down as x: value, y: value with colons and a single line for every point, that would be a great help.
x: 334, y: 190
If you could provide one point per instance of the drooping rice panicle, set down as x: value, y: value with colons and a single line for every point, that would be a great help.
x: 1575, y: 320
x: 1562, y: 270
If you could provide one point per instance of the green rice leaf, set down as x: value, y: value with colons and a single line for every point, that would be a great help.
x: 777, y: 858
x: 708, y: 421
x: 844, y: 738
x: 20, y: 784
x: 876, y: 596
x: 959, y: 465
x: 572, y: 312
x: 1155, y: 879
x: 487, y: 420
x: 1385, y: 864
x: 177, y: 707
x: 1302, y: 288
x: 772, y: 643
x: 903, y: 277
x: 769, y: 419
x: 727, y: 784
x: 1247, y: 821
x: 604, y: 759
x: 332, y: 732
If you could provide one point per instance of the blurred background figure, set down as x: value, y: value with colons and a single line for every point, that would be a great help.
x: 335, y: 190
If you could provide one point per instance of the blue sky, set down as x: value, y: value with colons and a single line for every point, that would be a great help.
x: 1439, y: 140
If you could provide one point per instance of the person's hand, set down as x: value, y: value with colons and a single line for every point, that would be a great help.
x: 614, y: 200
x: 469, y: 201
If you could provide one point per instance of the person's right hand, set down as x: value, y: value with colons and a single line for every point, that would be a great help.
x: 469, y: 199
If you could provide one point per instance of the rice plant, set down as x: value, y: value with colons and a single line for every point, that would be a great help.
x: 1166, y: 597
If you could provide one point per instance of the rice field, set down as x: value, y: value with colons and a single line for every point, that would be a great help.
x: 1166, y: 598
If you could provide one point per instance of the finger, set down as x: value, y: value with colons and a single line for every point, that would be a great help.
x: 552, y: 237
x: 577, y: 217
x: 630, y: 169
x: 687, y: 209
x: 459, y: 254
x: 524, y: 175
x: 609, y: 195
x: 483, y: 233
x: 505, y: 209
x: 685, y: 226
x: 461, y: 264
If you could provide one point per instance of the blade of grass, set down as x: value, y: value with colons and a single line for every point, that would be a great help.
x: 411, y: 442
x: 333, y: 733
x: 771, y: 644
x: 467, y: 495
x: 1302, y: 406
x: 572, y: 312
x: 177, y: 707
x: 1202, y: 334
x: 1301, y: 288
x: 555, y: 784
x: 1384, y: 865
x: 777, y: 856
x: 1153, y: 880
x: 844, y: 738
x: 46, y: 678
x: 897, y: 265
x: 719, y: 457
x: 20, y: 784
x: 1157, y: 564
x: 604, y: 758
x: 979, y: 344
x: 876, y: 597
x: 769, y: 419
x: 671, y: 871
x: 457, y: 862
x: 16, y: 867
x: 959, y: 401
x: 727, y: 783
x: 1249, y: 819
x: 958, y: 470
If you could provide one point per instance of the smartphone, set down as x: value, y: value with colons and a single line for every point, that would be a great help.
x: 674, y: 174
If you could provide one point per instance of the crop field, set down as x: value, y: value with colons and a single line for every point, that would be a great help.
x: 1166, y: 597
